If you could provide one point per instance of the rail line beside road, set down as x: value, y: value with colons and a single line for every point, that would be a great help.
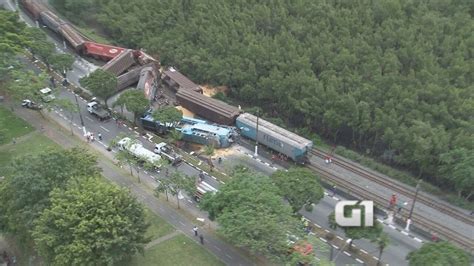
x: 398, y: 188
x: 362, y: 192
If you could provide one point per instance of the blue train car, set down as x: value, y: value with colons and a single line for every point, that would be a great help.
x: 155, y: 126
x: 192, y: 121
x: 207, y: 134
x: 274, y: 137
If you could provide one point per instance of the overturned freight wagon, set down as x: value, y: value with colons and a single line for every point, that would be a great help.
x: 176, y: 81
x: 274, y: 137
x: 120, y: 63
x: 207, y: 107
x: 147, y: 82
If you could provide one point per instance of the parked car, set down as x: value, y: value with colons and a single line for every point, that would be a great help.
x: 47, y: 95
x: 31, y: 105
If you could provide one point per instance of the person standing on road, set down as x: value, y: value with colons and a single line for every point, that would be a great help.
x: 201, y: 238
x: 393, y: 201
x: 201, y: 176
x: 400, y: 206
x: 333, y: 189
x: 195, y: 229
x: 99, y: 136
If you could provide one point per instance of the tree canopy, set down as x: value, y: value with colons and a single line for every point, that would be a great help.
x: 299, y: 186
x: 251, y: 213
x: 91, y: 222
x: 441, y: 253
x: 167, y: 114
x: 135, y: 102
x: 100, y: 83
x: 384, y: 77
x: 25, y: 194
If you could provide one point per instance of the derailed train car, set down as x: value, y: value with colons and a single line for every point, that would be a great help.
x: 147, y: 82
x: 274, y: 137
x: 51, y: 20
x: 75, y: 39
x: 207, y: 107
x: 33, y: 8
x: 120, y: 63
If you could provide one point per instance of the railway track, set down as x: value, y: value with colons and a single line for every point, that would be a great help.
x: 400, y: 189
x: 362, y: 192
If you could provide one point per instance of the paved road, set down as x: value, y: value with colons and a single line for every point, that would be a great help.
x: 394, y: 254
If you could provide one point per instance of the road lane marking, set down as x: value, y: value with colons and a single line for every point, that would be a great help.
x: 375, y: 258
x: 417, y: 239
x: 228, y: 256
x: 90, y: 119
x: 336, y: 247
x: 391, y: 226
x: 324, y: 240
x: 104, y: 129
x: 363, y: 251
x: 340, y: 238
x: 359, y: 261
x: 347, y: 253
x: 216, y: 247
x: 404, y: 232
x: 183, y: 224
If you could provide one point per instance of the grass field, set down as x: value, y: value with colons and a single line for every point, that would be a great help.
x: 158, y: 226
x: 32, y: 143
x: 179, y: 250
x: 12, y: 126
x: 27, y: 141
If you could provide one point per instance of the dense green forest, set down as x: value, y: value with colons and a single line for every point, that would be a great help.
x: 389, y: 78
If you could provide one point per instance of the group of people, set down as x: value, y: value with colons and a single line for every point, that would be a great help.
x: 90, y: 136
x: 9, y: 260
x: 394, y: 202
x: 328, y: 160
x: 201, y: 237
x: 280, y: 157
x: 306, y: 224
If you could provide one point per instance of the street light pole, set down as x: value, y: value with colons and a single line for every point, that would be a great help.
x: 256, y: 139
x: 417, y: 188
x: 80, y: 114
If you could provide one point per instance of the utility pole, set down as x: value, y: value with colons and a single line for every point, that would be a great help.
x: 256, y: 139
x: 417, y: 188
x: 80, y: 114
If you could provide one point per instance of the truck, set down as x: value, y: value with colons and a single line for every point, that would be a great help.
x: 94, y: 108
x: 168, y: 153
x: 202, y: 187
x: 136, y: 149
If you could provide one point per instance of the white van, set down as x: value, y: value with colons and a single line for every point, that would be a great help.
x: 47, y: 95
